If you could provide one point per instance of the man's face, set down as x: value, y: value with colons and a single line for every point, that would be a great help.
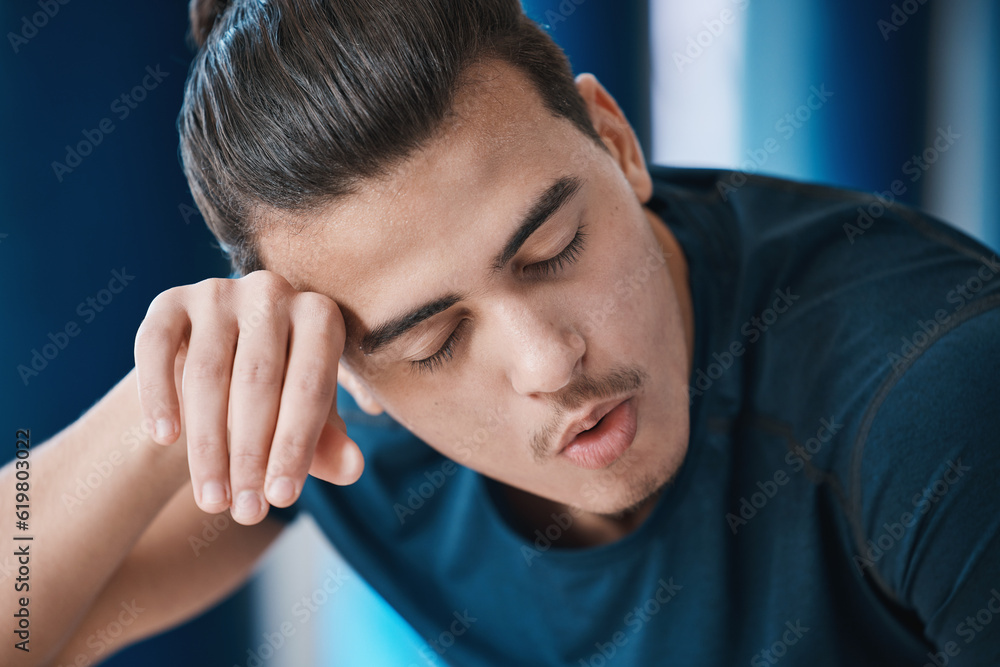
x: 579, y: 313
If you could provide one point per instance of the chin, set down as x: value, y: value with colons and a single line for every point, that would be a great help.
x: 631, y: 484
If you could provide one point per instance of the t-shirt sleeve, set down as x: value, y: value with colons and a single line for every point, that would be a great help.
x: 926, y: 486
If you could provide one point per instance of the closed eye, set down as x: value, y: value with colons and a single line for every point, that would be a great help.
x: 447, y: 351
x: 569, y: 255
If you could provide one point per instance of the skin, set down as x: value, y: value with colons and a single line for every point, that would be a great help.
x: 241, y: 375
x: 530, y: 354
x: 537, y: 349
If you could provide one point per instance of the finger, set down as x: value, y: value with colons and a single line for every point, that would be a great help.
x: 255, y: 394
x: 207, y: 372
x: 338, y: 459
x: 316, y: 341
x: 157, y: 342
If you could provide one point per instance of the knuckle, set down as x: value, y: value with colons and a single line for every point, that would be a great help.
x: 166, y: 300
x: 263, y: 311
x: 318, y: 308
x: 259, y: 372
x: 267, y: 293
x: 268, y: 282
x: 150, y: 337
x: 247, y: 459
x: 213, y: 289
x: 289, y: 453
x: 264, y: 303
x: 153, y: 389
x: 207, y: 369
x: 204, y: 446
x: 317, y: 380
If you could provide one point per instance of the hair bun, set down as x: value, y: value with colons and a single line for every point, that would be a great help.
x: 203, y: 14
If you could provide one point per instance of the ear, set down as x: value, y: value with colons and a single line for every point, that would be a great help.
x: 617, y: 135
x: 349, y: 381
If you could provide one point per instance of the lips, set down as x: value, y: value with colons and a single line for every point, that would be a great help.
x: 598, y: 440
x: 580, y: 425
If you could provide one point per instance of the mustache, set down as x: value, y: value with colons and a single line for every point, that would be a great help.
x: 584, y: 389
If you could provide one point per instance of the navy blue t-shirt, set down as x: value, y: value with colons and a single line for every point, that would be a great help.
x: 838, y: 504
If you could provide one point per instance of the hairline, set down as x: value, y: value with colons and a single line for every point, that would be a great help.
x: 465, y: 81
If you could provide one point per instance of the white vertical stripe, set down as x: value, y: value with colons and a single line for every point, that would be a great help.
x: 959, y: 80
x: 697, y: 87
x: 290, y: 570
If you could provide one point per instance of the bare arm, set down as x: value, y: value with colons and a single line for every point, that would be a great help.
x: 178, y: 569
x: 253, y: 355
x: 91, y: 496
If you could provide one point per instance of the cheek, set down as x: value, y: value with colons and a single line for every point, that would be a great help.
x: 463, y: 420
x: 627, y: 300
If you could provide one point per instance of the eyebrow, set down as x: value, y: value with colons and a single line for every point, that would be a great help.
x: 544, y: 207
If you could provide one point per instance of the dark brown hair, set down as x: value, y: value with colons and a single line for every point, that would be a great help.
x: 289, y: 104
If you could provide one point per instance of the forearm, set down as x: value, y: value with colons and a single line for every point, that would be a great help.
x: 93, y: 489
x: 185, y: 563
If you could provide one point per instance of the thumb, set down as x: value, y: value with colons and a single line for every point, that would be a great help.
x: 338, y: 458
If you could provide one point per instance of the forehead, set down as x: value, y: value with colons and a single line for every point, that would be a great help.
x: 417, y: 231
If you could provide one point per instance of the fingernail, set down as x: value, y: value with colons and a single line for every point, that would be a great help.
x: 247, y: 504
x: 281, y: 490
x: 213, y: 494
x: 164, y: 428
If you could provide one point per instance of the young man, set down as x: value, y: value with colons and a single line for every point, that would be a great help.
x: 701, y: 419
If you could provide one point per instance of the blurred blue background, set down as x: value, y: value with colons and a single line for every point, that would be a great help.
x: 854, y: 93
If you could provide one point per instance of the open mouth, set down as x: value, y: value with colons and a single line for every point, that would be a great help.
x: 603, y: 443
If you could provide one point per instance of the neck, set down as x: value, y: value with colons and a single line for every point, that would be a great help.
x: 677, y: 266
x: 585, y: 529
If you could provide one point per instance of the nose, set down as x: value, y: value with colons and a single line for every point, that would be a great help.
x: 543, y: 352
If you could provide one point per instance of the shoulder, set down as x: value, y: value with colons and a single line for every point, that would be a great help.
x: 821, y: 318
x: 766, y: 212
x: 926, y: 471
